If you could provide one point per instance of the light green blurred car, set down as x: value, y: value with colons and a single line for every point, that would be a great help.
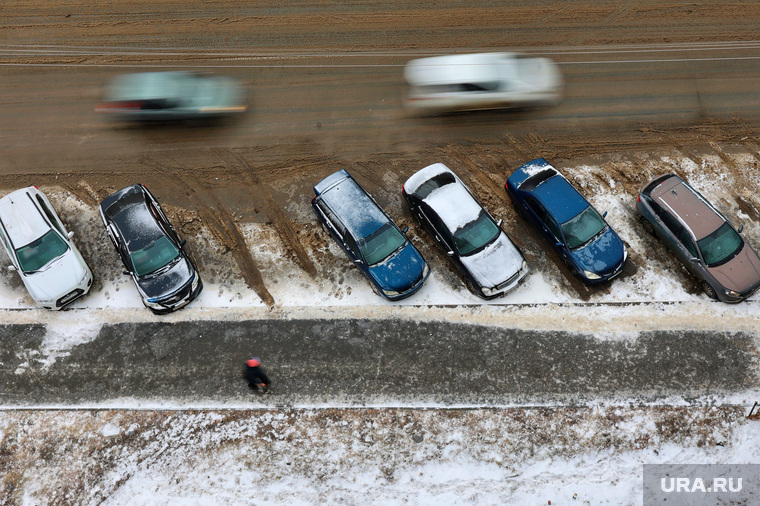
x: 171, y: 96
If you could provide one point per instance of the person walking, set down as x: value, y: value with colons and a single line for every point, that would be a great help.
x: 255, y: 375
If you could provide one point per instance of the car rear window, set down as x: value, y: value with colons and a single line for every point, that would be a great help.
x: 433, y: 183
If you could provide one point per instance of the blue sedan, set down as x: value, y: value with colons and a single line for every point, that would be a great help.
x: 369, y: 237
x: 586, y: 243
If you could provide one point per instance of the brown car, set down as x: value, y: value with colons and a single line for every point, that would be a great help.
x: 700, y: 237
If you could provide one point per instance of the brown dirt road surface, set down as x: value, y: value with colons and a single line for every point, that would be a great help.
x: 325, y: 86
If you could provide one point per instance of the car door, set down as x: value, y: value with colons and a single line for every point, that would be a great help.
x: 678, y: 240
x: 547, y: 224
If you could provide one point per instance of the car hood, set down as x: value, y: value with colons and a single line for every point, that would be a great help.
x: 495, y: 264
x: 59, y: 277
x: 401, y: 271
x: 167, y: 282
x: 741, y: 272
x: 603, y: 255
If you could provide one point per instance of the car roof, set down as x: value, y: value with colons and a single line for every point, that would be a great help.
x: 130, y: 213
x: 146, y: 85
x: 452, y: 202
x: 21, y: 218
x: 560, y: 197
x: 458, y: 68
x: 356, y: 210
x: 675, y: 195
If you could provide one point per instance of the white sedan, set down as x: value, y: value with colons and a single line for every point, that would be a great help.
x: 41, y: 250
x: 465, y: 82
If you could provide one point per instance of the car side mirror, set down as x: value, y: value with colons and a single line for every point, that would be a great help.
x: 694, y: 260
x: 604, y: 215
x: 450, y: 253
x: 11, y: 268
x: 559, y: 245
x: 183, y: 242
x: 127, y: 273
x: 741, y: 227
x: 498, y: 223
x: 70, y: 234
x: 406, y: 229
x: 358, y: 262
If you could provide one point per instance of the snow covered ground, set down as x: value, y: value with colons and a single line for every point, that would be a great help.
x: 170, y: 454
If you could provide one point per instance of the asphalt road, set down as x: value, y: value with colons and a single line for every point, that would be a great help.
x: 371, y: 361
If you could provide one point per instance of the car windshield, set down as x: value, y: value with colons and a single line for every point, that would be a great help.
x: 37, y: 254
x: 154, y: 256
x: 584, y: 227
x: 381, y: 243
x: 476, y: 234
x: 720, y: 246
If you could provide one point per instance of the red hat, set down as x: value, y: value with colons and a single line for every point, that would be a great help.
x: 253, y: 362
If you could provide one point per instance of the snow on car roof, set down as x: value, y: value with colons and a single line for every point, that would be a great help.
x: 23, y: 222
x: 355, y: 209
x: 423, y: 175
x: 459, y: 68
x: 454, y: 205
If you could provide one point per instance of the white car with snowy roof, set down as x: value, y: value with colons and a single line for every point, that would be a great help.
x: 464, y: 82
x: 490, y: 263
x: 41, y: 250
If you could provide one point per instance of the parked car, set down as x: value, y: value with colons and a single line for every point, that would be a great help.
x: 701, y: 237
x: 481, y: 81
x: 171, y: 96
x: 150, y: 249
x: 587, y: 245
x: 369, y: 237
x: 41, y: 250
x: 491, y: 265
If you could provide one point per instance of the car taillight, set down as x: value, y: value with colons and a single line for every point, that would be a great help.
x: 638, y: 197
x: 403, y: 190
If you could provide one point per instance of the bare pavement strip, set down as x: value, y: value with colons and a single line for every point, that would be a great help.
x: 385, y: 355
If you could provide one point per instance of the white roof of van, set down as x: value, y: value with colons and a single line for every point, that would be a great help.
x: 457, y: 68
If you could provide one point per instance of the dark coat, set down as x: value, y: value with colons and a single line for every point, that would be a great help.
x: 255, y: 376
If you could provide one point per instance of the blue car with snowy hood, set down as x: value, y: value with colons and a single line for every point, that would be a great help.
x: 369, y: 237
x: 587, y: 245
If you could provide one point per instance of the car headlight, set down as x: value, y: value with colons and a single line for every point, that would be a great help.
x: 487, y: 291
x: 151, y: 303
x: 732, y: 293
x: 524, y: 266
x: 391, y: 293
x: 194, y: 283
x: 625, y: 254
x: 591, y: 275
x: 425, y: 271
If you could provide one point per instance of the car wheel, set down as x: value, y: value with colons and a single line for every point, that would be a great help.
x: 709, y: 290
x: 647, y: 225
x: 471, y: 287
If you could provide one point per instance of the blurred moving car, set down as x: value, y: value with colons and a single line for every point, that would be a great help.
x: 41, y: 250
x: 464, y: 82
x: 707, y: 244
x: 587, y: 245
x: 150, y: 249
x: 171, y: 96
x: 369, y: 237
x: 491, y: 265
